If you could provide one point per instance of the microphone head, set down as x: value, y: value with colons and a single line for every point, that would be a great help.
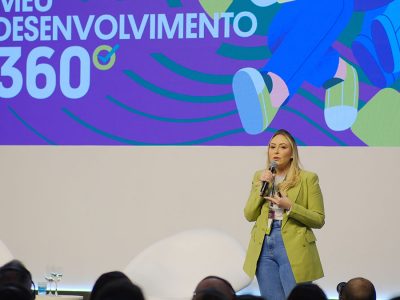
x: 272, y: 166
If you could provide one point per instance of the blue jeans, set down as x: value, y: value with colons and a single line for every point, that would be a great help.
x: 274, y: 273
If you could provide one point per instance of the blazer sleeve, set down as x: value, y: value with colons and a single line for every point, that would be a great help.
x: 254, y: 203
x: 312, y: 215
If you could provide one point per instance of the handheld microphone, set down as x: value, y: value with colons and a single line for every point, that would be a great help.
x: 265, y: 184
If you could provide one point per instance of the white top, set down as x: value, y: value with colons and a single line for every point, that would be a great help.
x: 277, y: 211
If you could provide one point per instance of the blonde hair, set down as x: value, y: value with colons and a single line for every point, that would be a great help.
x: 293, y: 174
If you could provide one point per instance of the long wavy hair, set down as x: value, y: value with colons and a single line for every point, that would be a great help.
x: 293, y: 174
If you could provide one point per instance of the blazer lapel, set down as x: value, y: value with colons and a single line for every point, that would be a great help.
x: 293, y: 194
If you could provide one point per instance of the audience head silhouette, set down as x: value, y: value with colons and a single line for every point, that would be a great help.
x: 358, y: 289
x: 307, y: 291
x: 210, y: 294
x: 115, y: 286
x: 214, y: 288
x: 104, y: 279
x: 15, y: 282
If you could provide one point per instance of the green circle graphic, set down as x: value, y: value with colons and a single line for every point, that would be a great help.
x: 97, y: 63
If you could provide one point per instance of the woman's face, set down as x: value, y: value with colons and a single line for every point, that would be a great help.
x: 280, y: 151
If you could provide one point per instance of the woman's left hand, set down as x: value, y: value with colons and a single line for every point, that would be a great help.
x: 282, y: 202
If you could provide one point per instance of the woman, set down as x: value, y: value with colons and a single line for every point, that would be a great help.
x: 282, y: 250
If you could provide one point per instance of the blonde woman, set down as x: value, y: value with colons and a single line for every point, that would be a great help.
x: 282, y: 250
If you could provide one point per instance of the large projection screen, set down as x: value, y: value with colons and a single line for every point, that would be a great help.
x: 172, y: 72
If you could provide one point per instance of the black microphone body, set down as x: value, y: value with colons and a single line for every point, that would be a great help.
x: 265, y: 184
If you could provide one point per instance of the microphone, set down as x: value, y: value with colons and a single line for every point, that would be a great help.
x: 265, y: 184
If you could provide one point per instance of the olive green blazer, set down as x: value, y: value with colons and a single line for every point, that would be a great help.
x: 307, y: 212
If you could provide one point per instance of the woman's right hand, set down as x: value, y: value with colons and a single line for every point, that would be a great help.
x: 267, y: 175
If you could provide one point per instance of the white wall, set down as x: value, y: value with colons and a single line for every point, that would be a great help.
x: 87, y: 210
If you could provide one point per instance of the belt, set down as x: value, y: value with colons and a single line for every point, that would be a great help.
x: 279, y: 222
